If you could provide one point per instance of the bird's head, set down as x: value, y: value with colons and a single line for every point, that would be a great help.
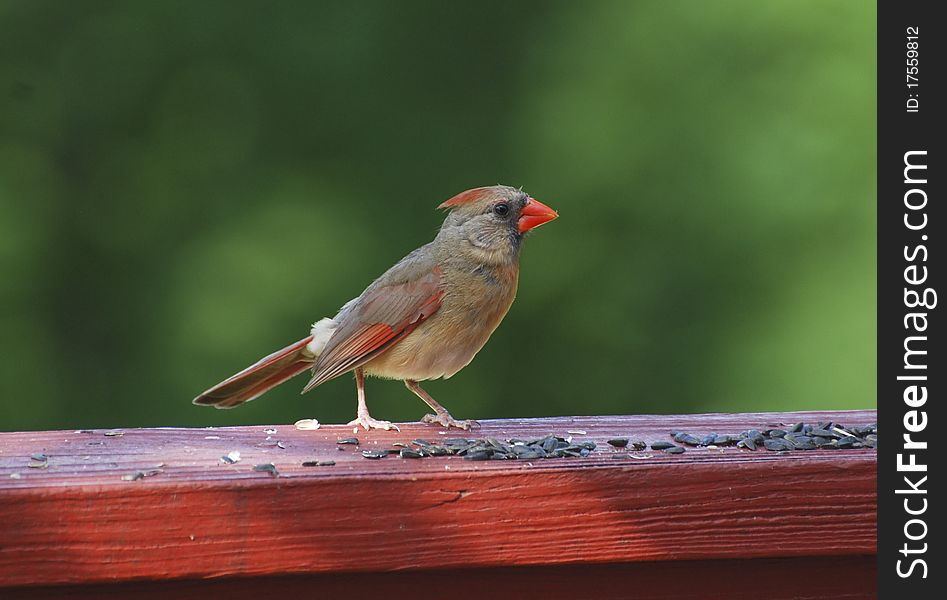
x: 493, y: 220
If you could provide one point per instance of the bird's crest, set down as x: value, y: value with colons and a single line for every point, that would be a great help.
x: 466, y: 197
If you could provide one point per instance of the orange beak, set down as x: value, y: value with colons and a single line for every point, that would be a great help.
x: 534, y: 214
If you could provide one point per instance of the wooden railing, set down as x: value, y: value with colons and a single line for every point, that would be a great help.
x: 153, y: 512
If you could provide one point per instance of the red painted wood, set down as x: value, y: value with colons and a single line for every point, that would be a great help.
x: 78, y: 521
x: 843, y: 578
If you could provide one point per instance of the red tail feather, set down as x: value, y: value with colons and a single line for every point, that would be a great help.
x: 256, y: 379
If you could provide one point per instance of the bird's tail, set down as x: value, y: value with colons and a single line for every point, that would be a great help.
x: 256, y: 379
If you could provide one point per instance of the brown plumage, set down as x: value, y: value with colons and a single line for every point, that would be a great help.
x: 424, y: 318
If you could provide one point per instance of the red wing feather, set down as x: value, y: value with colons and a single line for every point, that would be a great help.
x: 384, y: 316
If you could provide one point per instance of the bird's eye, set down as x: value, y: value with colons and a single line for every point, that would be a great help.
x: 502, y: 209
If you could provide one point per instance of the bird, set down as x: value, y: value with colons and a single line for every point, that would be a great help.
x: 424, y: 318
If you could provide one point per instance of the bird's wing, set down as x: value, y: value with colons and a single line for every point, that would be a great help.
x: 384, y: 314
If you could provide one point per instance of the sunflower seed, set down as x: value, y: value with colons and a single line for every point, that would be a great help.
x: 267, y: 468
x: 618, y: 442
x: 141, y: 474
x: 231, y: 457
x: 778, y: 444
x: 747, y: 443
x: 408, y: 453
x: 349, y: 441
x: 374, y: 454
x: 661, y: 445
x: 478, y: 455
x: 38, y: 461
x: 674, y: 450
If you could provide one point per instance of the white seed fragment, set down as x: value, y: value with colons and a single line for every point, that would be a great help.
x: 307, y: 424
x: 231, y: 457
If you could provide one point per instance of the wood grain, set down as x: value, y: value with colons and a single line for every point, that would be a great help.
x: 841, y: 578
x: 79, y: 522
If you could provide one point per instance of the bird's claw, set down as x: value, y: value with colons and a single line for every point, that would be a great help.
x: 368, y: 423
x: 448, y: 421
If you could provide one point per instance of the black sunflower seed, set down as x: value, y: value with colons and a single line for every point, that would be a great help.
x: 349, y: 441
x: 267, y: 468
x: 674, y: 450
x: 661, y: 445
x: 374, y: 454
x: 618, y: 442
x: 747, y: 443
x: 478, y: 455
x: 778, y: 444
x: 847, y: 442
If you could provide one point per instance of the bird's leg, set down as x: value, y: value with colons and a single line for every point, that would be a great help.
x: 364, y: 419
x: 440, y: 413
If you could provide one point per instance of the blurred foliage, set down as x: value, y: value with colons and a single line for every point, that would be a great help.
x: 186, y: 186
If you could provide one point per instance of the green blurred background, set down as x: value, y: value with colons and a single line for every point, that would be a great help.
x: 186, y: 186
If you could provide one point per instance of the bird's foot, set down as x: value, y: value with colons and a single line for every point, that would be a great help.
x: 444, y: 418
x: 368, y: 423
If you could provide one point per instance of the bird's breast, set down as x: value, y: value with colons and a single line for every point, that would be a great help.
x: 474, y: 303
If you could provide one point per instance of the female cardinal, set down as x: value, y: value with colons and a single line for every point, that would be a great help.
x: 424, y: 318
